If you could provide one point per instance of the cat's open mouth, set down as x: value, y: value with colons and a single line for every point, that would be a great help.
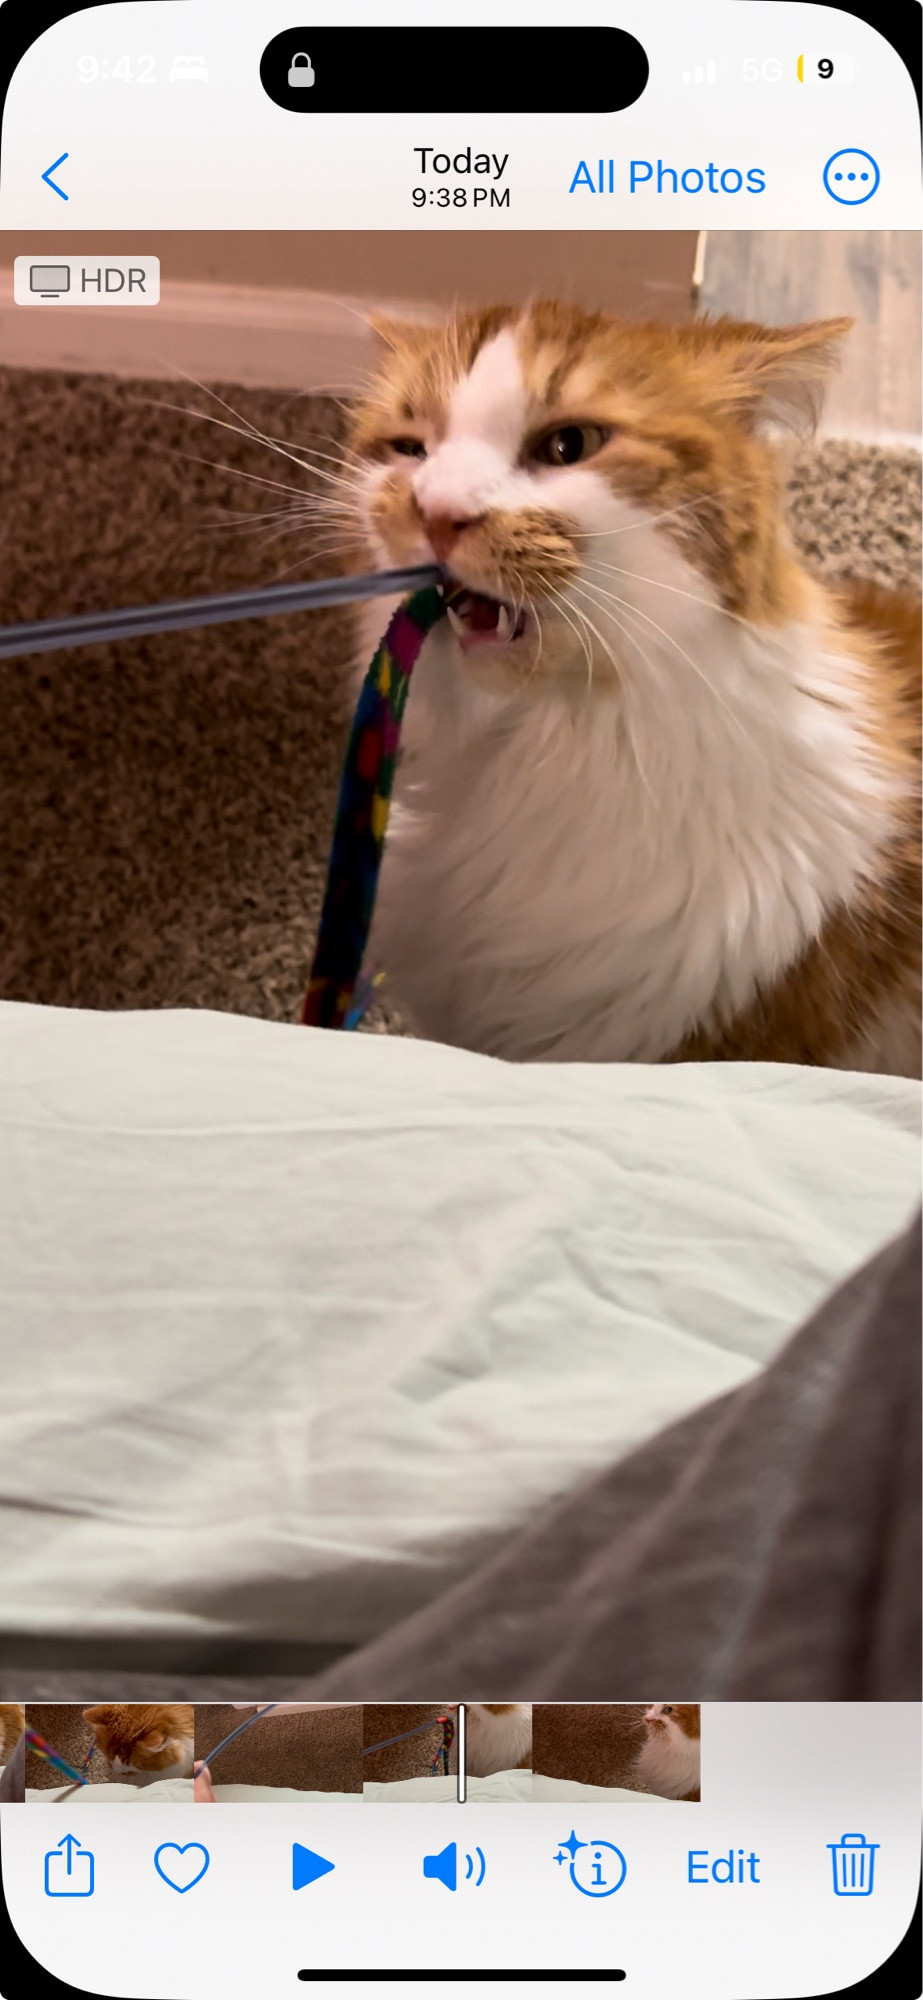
x: 478, y: 620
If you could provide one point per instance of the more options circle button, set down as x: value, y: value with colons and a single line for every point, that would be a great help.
x: 851, y: 176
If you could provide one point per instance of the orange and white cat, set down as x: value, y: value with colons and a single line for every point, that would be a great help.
x: 658, y: 796
x: 499, y: 1737
x: 144, y: 1743
x: 12, y: 1724
x: 669, y: 1761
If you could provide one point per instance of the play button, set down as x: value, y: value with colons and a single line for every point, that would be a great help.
x: 307, y: 1866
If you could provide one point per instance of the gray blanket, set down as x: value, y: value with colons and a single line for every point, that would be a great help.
x: 766, y: 1548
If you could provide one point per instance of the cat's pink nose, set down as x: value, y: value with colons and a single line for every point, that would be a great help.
x: 442, y: 533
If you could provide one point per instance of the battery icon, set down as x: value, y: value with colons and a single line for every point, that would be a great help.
x: 853, y: 1864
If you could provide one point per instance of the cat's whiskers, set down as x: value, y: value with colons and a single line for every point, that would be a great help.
x: 278, y: 524
x: 348, y: 460
x: 248, y: 518
x: 530, y: 605
x: 307, y: 556
x: 559, y: 599
x: 333, y: 541
x: 589, y: 627
x: 350, y: 486
x: 326, y: 506
x: 607, y: 649
x: 626, y: 715
x: 647, y: 521
x: 333, y: 552
x: 304, y: 520
x: 283, y: 534
x: 710, y: 604
x: 534, y: 614
x: 244, y: 428
x: 519, y: 608
x: 237, y: 472
x: 633, y: 611
x: 241, y: 525
x: 302, y: 512
x: 299, y: 563
x: 254, y: 518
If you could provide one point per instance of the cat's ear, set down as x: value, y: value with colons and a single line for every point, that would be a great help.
x: 153, y: 1739
x: 778, y: 374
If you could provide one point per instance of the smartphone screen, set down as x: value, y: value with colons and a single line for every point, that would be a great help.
x: 460, y: 999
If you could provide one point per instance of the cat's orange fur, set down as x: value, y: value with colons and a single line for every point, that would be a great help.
x: 12, y: 1724
x: 683, y: 412
x: 687, y: 1715
x: 678, y: 399
x: 143, y: 1737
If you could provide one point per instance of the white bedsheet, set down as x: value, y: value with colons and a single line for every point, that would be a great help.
x: 164, y: 1792
x: 296, y: 1327
x: 501, y: 1788
x: 549, y: 1791
x: 432, y: 1790
x: 286, y: 1795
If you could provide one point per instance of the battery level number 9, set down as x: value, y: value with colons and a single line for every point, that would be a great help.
x: 826, y: 69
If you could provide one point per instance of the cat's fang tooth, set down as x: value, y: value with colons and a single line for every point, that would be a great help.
x: 504, y: 622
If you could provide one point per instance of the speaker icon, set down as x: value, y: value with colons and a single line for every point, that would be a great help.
x: 444, y: 1867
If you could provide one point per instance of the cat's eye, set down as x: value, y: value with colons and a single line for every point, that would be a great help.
x: 407, y: 447
x: 668, y: 1708
x: 569, y: 444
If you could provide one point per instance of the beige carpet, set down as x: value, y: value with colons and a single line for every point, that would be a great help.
x: 320, y: 1751
x: 63, y: 1726
x: 412, y: 1758
x: 591, y: 1743
x: 165, y: 805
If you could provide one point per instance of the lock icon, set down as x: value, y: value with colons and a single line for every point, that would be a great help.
x: 301, y: 71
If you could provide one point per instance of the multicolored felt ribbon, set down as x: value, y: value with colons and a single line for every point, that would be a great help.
x: 49, y: 1755
x: 448, y: 1738
x: 335, y: 998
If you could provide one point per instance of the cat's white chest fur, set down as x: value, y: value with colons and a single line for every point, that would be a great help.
x: 497, y: 1740
x: 588, y: 874
x: 130, y: 1774
x: 670, y: 1762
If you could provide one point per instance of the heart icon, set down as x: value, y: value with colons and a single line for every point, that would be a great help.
x: 182, y: 1867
